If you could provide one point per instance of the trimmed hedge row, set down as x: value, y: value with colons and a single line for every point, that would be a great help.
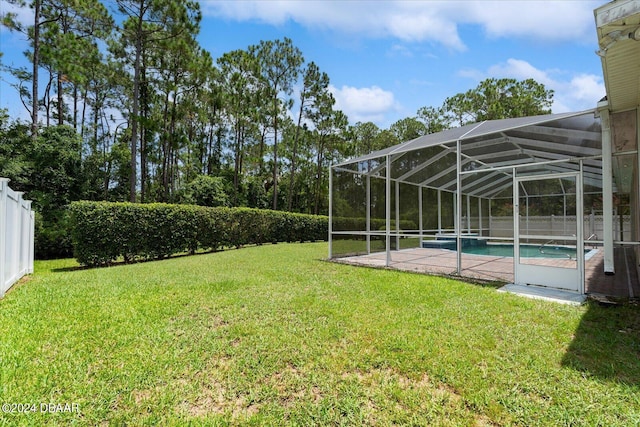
x: 103, y: 232
x: 360, y: 224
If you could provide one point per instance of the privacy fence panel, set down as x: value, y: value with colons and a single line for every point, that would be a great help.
x: 17, y: 225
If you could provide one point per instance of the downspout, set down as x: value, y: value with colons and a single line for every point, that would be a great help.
x: 607, y: 188
x: 580, y: 227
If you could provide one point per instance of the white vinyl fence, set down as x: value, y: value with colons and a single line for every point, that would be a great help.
x: 502, y: 226
x: 16, y: 236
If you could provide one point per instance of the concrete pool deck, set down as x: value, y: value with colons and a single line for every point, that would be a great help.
x: 623, y: 284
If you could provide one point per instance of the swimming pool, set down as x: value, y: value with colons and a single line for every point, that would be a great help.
x: 527, y: 251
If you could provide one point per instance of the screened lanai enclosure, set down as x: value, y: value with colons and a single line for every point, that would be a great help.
x: 521, y: 200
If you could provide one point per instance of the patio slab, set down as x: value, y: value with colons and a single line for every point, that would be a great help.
x: 546, y: 294
x: 500, y: 269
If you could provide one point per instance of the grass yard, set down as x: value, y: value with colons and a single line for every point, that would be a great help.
x: 273, y: 335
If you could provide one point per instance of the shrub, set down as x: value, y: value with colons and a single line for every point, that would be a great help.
x: 53, y: 236
x: 359, y: 224
x: 206, y: 191
x: 103, y: 232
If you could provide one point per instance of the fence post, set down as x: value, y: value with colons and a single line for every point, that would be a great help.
x: 25, y: 241
x: 31, y: 247
x: 22, y: 244
x: 17, y: 227
x: 4, y: 184
x: 17, y: 237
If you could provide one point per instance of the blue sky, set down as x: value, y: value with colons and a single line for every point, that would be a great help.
x: 386, y: 59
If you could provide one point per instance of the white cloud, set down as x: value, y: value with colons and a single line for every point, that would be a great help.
x: 364, y: 104
x: 472, y: 74
x: 413, y: 21
x: 519, y: 69
x: 587, y: 88
x: 572, y: 92
x: 547, y: 20
x: 24, y: 15
x: 400, y: 50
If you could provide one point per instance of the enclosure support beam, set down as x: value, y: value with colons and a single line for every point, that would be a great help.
x: 439, y: 211
x: 480, y: 216
x: 579, y: 227
x: 490, y: 234
x: 516, y: 226
x: 607, y: 191
x: 454, y: 199
x: 564, y: 217
x: 330, y: 237
x: 388, y: 210
x: 368, y: 214
x: 458, y: 207
x: 468, y: 214
x: 527, y: 199
x: 424, y: 165
x: 635, y: 208
x: 420, y: 224
x: 397, y: 216
x: 493, y: 186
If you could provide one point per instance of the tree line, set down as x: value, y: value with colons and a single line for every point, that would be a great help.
x: 134, y: 109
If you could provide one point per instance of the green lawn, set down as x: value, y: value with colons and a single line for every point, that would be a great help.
x: 273, y: 335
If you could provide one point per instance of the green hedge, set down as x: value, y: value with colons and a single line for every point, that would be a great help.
x: 103, y: 232
x: 360, y: 224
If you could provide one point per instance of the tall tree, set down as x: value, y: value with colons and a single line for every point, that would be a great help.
x: 315, y: 84
x: 9, y: 20
x: 408, y: 128
x: 148, y: 23
x: 62, y: 34
x: 459, y: 108
x: 361, y: 139
x: 241, y: 88
x: 434, y: 119
x: 280, y: 63
x: 69, y: 42
x: 384, y: 139
x: 330, y: 127
x: 213, y: 104
x: 36, y: 64
x: 499, y: 99
x: 181, y: 68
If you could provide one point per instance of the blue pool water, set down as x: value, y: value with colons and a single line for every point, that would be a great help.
x: 526, y: 251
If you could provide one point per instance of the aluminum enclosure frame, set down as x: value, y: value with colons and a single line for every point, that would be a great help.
x: 486, y: 156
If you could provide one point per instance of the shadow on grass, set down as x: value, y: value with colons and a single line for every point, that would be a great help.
x: 606, y: 343
x: 495, y: 284
x: 145, y: 260
x: 136, y: 261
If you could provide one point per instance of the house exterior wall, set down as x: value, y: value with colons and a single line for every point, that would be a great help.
x: 626, y: 168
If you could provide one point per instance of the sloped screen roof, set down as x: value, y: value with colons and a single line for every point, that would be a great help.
x: 551, y: 143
